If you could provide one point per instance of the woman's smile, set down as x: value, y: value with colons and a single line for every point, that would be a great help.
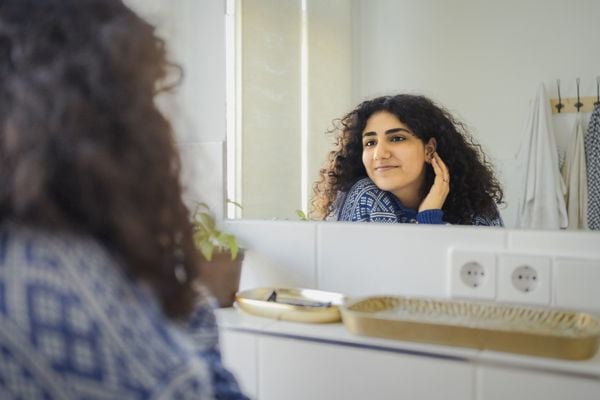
x: 385, y: 168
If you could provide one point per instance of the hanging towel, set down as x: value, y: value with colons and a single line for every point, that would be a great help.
x: 542, y: 201
x: 592, y: 156
x: 574, y: 174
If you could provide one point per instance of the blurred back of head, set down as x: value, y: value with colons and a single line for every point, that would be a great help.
x: 83, y: 146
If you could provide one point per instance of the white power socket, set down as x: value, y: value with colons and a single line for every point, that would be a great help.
x: 472, y: 274
x: 524, y: 278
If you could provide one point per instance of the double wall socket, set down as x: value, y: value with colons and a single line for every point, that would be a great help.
x: 472, y: 274
x: 505, y: 277
x: 524, y: 278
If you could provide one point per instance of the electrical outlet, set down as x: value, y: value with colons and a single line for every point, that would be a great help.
x: 472, y: 274
x: 524, y: 278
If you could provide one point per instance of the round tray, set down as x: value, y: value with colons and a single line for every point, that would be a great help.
x: 291, y: 304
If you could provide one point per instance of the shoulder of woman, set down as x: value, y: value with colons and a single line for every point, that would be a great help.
x: 364, y: 201
x: 364, y: 185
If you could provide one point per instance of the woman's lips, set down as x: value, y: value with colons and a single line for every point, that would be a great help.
x: 383, y: 168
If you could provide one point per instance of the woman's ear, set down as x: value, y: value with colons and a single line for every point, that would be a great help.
x: 430, y: 148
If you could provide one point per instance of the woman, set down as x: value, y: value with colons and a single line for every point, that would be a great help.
x: 404, y: 159
x: 99, y: 293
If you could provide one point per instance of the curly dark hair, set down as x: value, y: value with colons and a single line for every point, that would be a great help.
x: 474, y: 188
x: 83, y: 147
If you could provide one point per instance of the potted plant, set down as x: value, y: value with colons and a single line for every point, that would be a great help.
x: 221, y: 268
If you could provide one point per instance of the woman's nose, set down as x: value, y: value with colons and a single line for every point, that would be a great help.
x: 381, y: 152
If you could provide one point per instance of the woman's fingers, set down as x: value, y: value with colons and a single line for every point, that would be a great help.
x: 439, y: 168
x: 441, y: 186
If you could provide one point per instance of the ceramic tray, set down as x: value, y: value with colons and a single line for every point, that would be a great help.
x: 535, y: 331
x: 303, y: 305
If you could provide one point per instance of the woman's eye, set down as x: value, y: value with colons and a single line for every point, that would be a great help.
x: 397, y: 138
x: 369, y: 143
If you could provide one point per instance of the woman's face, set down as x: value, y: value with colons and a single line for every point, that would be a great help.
x: 394, y: 157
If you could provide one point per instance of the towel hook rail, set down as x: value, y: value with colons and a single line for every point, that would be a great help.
x: 559, y: 106
x: 579, y: 104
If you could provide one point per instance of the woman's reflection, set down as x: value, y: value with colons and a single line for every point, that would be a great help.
x: 402, y: 159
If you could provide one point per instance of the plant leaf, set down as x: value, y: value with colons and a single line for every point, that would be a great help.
x: 235, y: 203
x: 206, y: 248
x: 233, y: 246
x: 206, y: 221
x: 302, y: 215
x: 207, y: 236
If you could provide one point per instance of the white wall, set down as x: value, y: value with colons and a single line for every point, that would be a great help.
x: 195, y: 35
x: 415, y: 260
x: 481, y: 59
x: 290, y: 94
x: 271, y: 120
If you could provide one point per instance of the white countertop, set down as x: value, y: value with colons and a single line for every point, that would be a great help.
x: 336, y: 334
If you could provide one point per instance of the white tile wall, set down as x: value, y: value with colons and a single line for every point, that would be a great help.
x: 195, y: 35
x: 577, y: 283
x: 560, y: 243
x: 280, y: 254
x: 200, y: 49
x: 288, y: 369
x: 371, y: 259
x: 202, y: 174
x: 365, y: 259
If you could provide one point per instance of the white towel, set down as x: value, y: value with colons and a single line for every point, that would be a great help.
x: 542, y: 202
x: 575, y: 176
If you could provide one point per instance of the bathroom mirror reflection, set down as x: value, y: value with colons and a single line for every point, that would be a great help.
x: 296, y: 65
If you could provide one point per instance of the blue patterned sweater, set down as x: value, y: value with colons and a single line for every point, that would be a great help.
x: 592, y: 156
x: 73, y: 326
x: 365, y: 202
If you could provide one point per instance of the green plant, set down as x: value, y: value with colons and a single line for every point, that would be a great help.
x: 208, y: 237
x: 302, y: 215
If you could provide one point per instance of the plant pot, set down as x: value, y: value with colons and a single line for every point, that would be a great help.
x: 221, y: 276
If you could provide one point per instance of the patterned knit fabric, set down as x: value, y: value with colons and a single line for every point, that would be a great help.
x: 592, y: 159
x: 365, y: 202
x: 72, y: 326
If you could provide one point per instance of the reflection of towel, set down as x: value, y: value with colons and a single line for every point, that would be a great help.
x: 592, y: 155
x: 542, y: 202
x: 574, y: 174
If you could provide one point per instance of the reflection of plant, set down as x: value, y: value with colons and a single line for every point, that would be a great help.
x: 208, y: 237
x: 302, y: 215
x: 235, y: 203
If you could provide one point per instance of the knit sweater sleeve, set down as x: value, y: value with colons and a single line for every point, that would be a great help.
x: 365, y: 202
x: 202, y: 328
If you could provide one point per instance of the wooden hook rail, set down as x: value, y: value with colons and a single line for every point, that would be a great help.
x: 569, y: 104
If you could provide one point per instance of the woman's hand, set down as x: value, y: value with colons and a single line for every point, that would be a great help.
x: 441, y: 185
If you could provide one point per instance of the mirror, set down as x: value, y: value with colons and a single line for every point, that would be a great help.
x: 302, y: 63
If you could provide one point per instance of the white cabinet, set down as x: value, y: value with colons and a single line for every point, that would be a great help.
x: 239, y: 356
x: 276, y: 360
x: 499, y: 383
x: 297, y: 369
